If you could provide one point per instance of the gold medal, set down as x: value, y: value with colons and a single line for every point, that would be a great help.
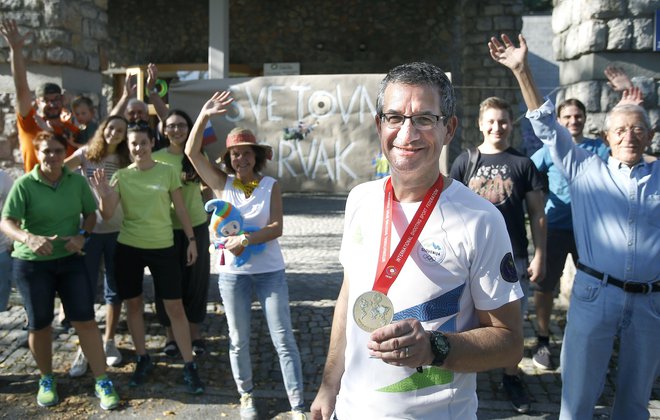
x: 373, y: 310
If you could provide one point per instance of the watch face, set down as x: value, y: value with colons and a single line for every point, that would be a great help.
x: 440, y: 347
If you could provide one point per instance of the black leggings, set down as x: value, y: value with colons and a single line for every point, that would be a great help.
x: 195, y: 278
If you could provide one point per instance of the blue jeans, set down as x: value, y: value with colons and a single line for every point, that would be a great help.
x: 5, y: 279
x: 102, y: 245
x: 273, y: 293
x: 598, y: 313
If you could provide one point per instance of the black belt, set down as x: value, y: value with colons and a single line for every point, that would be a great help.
x: 627, y: 286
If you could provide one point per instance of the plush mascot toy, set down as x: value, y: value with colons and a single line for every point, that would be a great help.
x: 227, y: 221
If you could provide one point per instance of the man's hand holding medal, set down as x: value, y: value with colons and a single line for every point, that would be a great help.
x: 404, y: 343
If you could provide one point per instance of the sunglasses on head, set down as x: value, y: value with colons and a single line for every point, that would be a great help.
x: 137, y: 125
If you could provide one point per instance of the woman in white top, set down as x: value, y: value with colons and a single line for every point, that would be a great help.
x: 259, y: 199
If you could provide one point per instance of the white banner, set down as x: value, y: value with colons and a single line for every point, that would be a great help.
x: 321, y: 127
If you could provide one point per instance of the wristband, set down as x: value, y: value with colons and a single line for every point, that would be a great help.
x: 191, y: 239
x: 84, y: 233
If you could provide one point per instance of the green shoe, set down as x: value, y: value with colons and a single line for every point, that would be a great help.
x: 106, y: 392
x: 47, y: 395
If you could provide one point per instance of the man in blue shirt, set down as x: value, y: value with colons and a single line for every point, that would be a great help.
x: 571, y: 114
x: 616, y: 218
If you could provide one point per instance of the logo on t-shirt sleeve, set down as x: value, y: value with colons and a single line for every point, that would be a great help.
x: 508, y: 269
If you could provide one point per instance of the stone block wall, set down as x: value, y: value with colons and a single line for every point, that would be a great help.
x: 324, y: 37
x: 346, y: 37
x: 67, y: 39
x: 591, y: 35
x: 69, y: 32
x: 479, y: 77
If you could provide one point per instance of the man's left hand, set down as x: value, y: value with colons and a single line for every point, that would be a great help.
x: 402, y: 343
x: 536, y: 270
x: 74, y: 244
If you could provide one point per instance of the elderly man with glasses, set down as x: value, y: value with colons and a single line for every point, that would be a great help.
x: 48, y: 112
x: 616, y: 215
x: 430, y: 292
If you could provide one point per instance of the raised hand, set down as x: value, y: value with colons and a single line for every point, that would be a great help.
x: 100, y: 183
x: 617, y: 78
x: 130, y: 87
x: 218, y: 103
x: 506, y: 53
x: 152, y: 76
x: 632, y: 96
x: 9, y: 30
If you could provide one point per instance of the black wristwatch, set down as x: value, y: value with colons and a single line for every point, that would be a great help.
x: 84, y: 233
x: 440, y: 346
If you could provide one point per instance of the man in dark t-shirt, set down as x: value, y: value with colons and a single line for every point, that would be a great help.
x: 510, y: 181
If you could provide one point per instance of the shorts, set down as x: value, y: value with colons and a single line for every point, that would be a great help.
x: 560, y: 244
x: 164, y: 266
x: 194, y: 278
x: 39, y: 281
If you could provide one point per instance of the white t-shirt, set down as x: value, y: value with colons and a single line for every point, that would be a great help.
x: 6, y: 181
x: 256, y: 214
x: 459, y: 264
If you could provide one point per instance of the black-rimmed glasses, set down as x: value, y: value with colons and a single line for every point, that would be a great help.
x: 420, y: 122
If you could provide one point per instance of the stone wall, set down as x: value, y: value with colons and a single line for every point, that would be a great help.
x: 158, y: 31
x: 591, y: 35
x: 478, y: 76
x: 66, y: 44
x: 345, y: 37
x: 324, y: 37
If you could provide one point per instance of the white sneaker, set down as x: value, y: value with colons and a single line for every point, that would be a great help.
x: 79, y: 365
x: 248, y: 410
x: 112, y: 354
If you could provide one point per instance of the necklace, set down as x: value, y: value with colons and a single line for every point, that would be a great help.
x: 247, y: 188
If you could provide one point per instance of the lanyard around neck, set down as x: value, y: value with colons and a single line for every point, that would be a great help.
x: 389, y: 267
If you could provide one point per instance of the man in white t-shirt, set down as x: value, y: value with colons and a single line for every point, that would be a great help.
x: 453, y: 303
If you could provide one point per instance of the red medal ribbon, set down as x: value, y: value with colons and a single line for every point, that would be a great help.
x: 389, y: 270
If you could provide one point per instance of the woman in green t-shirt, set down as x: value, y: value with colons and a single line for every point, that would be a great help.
x: 42, y: 215
x: 146, y: 189
x: 176, y: 127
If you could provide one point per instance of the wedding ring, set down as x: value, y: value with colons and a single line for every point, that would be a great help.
x: 406, y: 351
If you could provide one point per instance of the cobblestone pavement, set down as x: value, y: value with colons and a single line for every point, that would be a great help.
x: 311, y: 240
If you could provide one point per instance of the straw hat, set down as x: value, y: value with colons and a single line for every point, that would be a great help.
x: 243, y: 137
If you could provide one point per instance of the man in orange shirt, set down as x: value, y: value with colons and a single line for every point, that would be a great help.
x: 47, y: 114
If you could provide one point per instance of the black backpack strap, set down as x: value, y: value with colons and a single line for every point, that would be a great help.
x: 473, y: 156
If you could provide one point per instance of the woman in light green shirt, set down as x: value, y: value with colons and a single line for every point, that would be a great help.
x: 146, y: 190
x: 195, y: 279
